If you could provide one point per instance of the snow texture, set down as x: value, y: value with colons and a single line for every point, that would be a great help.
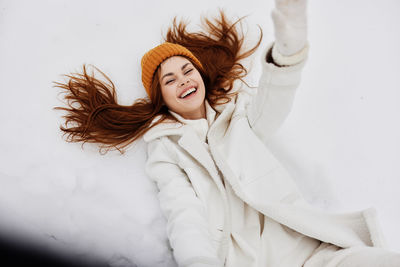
x: 341, y: 141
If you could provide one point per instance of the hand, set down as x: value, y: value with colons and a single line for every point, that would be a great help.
x: 290, y: 25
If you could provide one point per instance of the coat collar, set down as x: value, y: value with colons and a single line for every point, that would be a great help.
x: 170, y: 128
x: 190, y: 141
x: 210, y: 115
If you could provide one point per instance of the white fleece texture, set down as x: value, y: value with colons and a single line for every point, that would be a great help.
x: 341, y: 141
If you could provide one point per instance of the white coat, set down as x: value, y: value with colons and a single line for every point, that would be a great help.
x: 190, y: 185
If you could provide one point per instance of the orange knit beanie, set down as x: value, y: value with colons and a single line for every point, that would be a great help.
x: 154, y: 57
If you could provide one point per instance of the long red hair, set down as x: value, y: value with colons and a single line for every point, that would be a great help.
x: 93, y: 114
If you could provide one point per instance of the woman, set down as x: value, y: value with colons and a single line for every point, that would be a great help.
x: 227, y: 200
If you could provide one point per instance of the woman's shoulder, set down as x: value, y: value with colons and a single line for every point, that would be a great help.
x: 164, y: 128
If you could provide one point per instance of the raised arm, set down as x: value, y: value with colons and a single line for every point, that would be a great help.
x: 187, y: 228
x: 290, y: 28
x: 282, y: 64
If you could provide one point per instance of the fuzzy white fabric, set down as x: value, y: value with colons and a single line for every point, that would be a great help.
x: 204, y: 215
x: 340, y: 142
x: 290, y: 26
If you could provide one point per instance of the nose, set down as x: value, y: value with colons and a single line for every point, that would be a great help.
x: 184, y: 81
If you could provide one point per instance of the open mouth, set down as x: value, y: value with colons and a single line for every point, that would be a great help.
x: 188, y: 93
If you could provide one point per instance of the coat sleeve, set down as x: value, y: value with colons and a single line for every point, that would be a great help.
x: 187, y: 226
x: 270, y: 103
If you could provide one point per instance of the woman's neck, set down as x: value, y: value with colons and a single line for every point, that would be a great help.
x: 196, y: 115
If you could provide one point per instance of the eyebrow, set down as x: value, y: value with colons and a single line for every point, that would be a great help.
x: 170, y: 73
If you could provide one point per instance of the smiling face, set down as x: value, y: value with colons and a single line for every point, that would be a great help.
x: 182, y: 87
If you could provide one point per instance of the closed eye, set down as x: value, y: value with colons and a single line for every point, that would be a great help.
x: 169, y: 81
x: 188, y: 71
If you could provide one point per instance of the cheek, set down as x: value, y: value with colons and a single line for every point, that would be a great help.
x: 167, y: 94
x: 199, y: 78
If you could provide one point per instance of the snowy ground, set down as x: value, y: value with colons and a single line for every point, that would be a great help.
x: 341, y: 141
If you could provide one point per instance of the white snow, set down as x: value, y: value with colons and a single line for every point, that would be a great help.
x: 341, y: 141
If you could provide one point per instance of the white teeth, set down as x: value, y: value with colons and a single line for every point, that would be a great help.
x: 188, y: 92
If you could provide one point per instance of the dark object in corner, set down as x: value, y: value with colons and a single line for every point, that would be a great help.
x: 13, y: 253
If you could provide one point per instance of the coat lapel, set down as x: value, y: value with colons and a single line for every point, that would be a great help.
x: 190, y: 142
x: 192, y: 145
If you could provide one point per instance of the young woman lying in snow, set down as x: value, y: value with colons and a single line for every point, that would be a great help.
x: 227, y: 200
